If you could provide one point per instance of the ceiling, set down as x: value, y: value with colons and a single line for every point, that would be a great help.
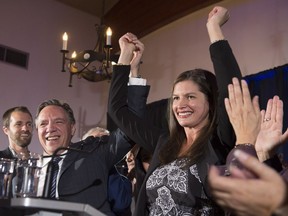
x: 138, y: 16
x: 94, y: 7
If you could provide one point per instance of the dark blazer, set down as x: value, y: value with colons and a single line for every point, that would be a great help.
x: 152, y: 138
x: 7, y: 153
x: 84, y: 175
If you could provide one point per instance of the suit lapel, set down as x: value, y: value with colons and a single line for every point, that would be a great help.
x: 68, y: 160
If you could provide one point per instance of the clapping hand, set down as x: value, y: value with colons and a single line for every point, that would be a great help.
x: 270, y: 135
x: 244, y: 113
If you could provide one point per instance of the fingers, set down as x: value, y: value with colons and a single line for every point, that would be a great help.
x: 131, y: 36
x: 255, y: 102
x: 128, y: 37
x: 240, y: 96
x: 262, y: 115
x: 274, y: 110
x: 236, y: 172
x: 230, y: 101
x: 219, y: 14
x: 237, y: 97
x: 234, y: 92
x: 214, y: 11
x: 139, y: 45
x: 220, y: 184
x: 267, y: 116
x: 228, y: 106
x: 277, y: 110
x: 246, y: 94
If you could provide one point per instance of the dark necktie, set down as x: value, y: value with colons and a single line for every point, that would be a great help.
x: 55, y: 169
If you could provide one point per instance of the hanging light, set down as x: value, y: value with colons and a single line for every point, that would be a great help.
x: 93, y: 65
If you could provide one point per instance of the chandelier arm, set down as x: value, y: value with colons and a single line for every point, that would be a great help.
x: 85, y: 66
x: 70, y: 80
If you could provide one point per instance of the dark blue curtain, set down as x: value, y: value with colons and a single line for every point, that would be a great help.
x: 268, y: 83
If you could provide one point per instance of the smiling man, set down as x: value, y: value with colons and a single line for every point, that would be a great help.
x: 18, y: 126
x: 84, y: 167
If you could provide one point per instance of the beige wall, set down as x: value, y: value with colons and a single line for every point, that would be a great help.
x: 257, y: 32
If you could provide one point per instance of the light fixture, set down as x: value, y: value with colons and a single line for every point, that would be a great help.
x: 93, y: 65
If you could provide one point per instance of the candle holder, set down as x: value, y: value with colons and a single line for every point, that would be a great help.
x: 92, y: 65
x: 64, y: 52
x: 107, y: 50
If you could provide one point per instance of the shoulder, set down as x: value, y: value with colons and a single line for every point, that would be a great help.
x: 6, y: 153
x: 90, y: 143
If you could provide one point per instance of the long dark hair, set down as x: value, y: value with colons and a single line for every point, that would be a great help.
x: 207, y: 84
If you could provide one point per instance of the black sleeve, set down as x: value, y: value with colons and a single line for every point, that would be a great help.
x: 225, y: 68
x: 137, y: 98
x: 157, y: 112
x: 141, y: 131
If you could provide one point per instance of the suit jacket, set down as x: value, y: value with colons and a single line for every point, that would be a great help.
x: 7, y: 153
x: 152, y: 138
x: 84, y: 173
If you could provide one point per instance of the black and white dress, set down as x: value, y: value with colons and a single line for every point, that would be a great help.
x: 169, y: 191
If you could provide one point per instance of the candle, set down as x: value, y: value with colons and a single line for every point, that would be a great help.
x: 73, y: 67
x: 108, y: 36
x: 73, y: 56
x: 65, y: 40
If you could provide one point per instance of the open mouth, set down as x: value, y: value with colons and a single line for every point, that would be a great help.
x: 52, y: 138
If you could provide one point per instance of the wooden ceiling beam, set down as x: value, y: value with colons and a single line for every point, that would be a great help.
x: 142, y: 17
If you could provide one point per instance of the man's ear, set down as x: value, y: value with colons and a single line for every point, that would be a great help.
x: 5, y: 130
x: 73, y: 130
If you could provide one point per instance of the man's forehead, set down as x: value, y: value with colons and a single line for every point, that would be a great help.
x: 20, y: 116
x: 53, y: 112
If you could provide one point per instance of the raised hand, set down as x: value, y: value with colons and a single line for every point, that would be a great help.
x: 244, y: 113
x: 218, y: 15
x: 131, y: 52
x: 137, y: 56
x: 216, y: 18
x: 127, y: 48
x: 270, y: 135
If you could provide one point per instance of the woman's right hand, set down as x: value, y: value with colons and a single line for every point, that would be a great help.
x: 218, y: 15
x: 216, y: 18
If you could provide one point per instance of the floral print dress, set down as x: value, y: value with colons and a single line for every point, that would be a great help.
x: 172, y: 190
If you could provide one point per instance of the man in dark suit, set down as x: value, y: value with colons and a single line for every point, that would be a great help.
x: 18, y: 126
x: 85, y: 166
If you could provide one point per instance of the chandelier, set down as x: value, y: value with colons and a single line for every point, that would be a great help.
x: 93, y: 65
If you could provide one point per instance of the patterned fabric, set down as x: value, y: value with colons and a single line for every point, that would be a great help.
x: 55, y: 169
x: 174, y: 190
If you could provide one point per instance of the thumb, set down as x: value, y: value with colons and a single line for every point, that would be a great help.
x: 284, y: 137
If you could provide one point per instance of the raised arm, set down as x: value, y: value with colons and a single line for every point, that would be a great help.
x: 223, y: 59
x: 225, y: 68
x: 139, y: 130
